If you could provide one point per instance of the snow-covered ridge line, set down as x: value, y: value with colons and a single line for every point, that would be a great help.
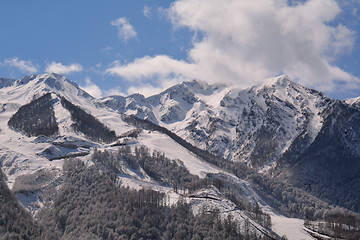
x: 229, y: 121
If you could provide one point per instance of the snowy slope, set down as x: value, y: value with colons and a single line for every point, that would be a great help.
x: 162, y: 143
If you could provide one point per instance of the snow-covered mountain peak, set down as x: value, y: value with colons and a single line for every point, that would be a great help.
x: 52, y: 80
x: 352, y: 101
x: 279, y: 81
x: 355, y: 102
x: 280, y: 86
x: 189, y: 89
x: 47, y: 117
x: 58, y: 83
x: 47, y: 78
x: 25, y: 89
x: 235, y: 123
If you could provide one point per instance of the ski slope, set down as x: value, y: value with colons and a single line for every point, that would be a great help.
x: 156, y: 141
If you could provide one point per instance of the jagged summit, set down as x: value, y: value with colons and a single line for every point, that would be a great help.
x: 282, y: 86
x: 280, y: 81
x: 229, y: 121
x: 53, y: 80
x: 60, y: 84
x: 48, y: 78
x: 24, y: 90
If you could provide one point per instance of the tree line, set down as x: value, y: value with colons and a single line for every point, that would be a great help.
x: 36, y: 118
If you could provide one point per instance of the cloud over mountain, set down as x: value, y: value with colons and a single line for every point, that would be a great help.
x: 59, y: 68
x: 244, y: 42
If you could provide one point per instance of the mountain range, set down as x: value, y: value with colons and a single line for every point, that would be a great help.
x: 288, y: 149
x: 278, y: 128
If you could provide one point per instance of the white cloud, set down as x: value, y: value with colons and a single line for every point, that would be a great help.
x: 125, y: 29
x: 145, y: 89
x: 147, y: 11
x: 113, y: 91
x: 151, y: 67
x: 148, y: 89
x: 63, y: 69
x: 246, y: 41
x: 91, y: 88
x: 22, y: 65
x: 152, y: 74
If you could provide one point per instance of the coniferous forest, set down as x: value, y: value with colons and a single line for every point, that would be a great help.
x: 91, y: 204
x: 15, y: 222
x: 36, y: 118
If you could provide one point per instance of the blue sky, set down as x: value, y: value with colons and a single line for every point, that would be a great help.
x: 122, y: 47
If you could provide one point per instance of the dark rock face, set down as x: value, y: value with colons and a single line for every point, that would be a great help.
x: 330, y: 167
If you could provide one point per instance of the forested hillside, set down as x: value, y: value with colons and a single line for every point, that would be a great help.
x: 92, y: 205
x: 36, y: 118
x: 88, y: 124
x: 15, y: 222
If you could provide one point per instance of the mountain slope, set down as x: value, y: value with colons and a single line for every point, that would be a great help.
x: 254, y: 125
x: 15, y: 221
x: 330, y: 167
